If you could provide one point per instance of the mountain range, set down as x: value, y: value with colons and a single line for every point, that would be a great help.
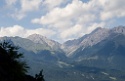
x: 98, y: 56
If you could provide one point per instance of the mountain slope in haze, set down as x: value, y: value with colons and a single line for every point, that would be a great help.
x: 103, y: 48
x: 107, y: 53
x: 26, y: 44
x: 98, y: 56
x: 34, y: 43
x: 39, y: 39
x: 91, y: 39
x: 37, y: 54
x: 39, y: 47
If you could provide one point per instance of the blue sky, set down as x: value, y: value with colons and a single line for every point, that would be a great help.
x: 59, y: 20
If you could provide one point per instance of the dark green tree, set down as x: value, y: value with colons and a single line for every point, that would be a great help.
x: 40, y: 76
x: 12, y: 68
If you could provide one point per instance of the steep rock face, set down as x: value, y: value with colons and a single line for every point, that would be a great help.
x: 95, y: 37
x: 108, y: 53
x: 103, y: 48
x: 26, y: 44
x: 91, y: 39
x: 36, y: 38
x: 106, y: 49
x: 39, y: 46
x: 119, y: 30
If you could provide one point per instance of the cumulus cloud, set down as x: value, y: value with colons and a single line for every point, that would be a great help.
x: 113, y: 9
x: 18, y: 30
x: 32, y: 5
x: 94, y: 26
x: 25, y: 7
x: 79, y: 17
x: 12, y: 31
x: 50, y: 4
x: 10, y: 2
x: 72, y: 11
x: 69, y: 33
x: 105, y: 9
x: 69, y: 20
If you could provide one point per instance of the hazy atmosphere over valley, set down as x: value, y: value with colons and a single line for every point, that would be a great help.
x: 62, y: 40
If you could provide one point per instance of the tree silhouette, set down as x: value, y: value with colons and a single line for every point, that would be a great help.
x: 40, y: 76
x: 11, y: 66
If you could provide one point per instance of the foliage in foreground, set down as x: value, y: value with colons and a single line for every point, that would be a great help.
x: 12, y: 68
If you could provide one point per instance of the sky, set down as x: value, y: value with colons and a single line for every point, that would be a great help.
x: 60, y: 20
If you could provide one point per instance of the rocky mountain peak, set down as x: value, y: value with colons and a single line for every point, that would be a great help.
x: 37, y: 38
x: 119, y: 29
x: 96, y: 36
x: 97, y: 29
x: 43, y: 40
x: 91, y: 39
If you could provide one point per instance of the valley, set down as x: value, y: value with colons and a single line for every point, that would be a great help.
x: 98, y: 56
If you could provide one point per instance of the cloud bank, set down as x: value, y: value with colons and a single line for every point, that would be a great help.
x: 18, y: 30
x: 67, y: 19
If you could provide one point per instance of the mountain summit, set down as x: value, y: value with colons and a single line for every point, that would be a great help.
x: 36, y: 38
x: 88, y: 56
x: 91, y: 39
x: 101, y: 48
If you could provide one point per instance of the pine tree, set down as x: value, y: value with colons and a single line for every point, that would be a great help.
x: 13, y: 68
x: 40, y: 76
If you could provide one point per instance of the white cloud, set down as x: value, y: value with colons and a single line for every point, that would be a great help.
x: 107, y: 9
x: 79, y: 30
x: 18, y: 15
x: 50, y: 4
x: 71, y: 31
x: 26, y: 6
x: 88, y: 16
x: 74, y: 19
x: 10, y: 2
x: 30, y: 5
x: 41, y: 31
x: 71, y: 12
x: 70, y: 21
x: 17, y: 30
x: 12, y: 31
x: 113, y: 9
x: 94, y: 26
